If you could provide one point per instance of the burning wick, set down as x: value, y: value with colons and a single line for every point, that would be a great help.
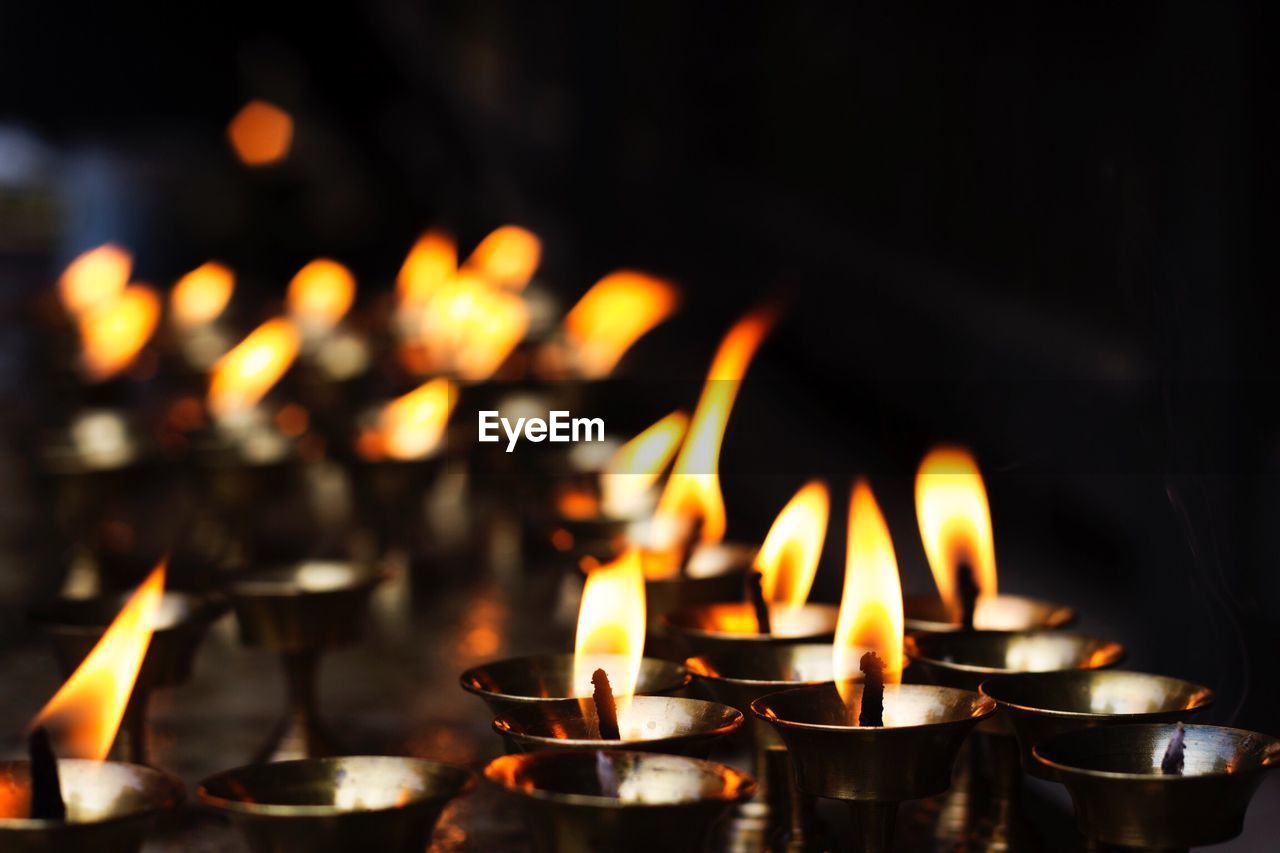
x: 1175, y: 753
x: 606, y: 708
x: 968, y: 590
x: 755, y: 594
x: 46, y: 788
x: 872, y: 711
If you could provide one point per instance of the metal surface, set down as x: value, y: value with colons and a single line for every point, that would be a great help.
x: 507, y: 685
x: 333, y: 805
x: 708, y: 628
x: 714, y: 573
x: 993, y: 613
x: 110, y: 807
x: 576, y: 800
x: 964, y: 659
x: 1121, y: 797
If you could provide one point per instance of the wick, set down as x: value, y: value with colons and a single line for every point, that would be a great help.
x: 46, y: 787
x: 872, y: 711
x: 1175, y: 754
x: 755, y: 594
x: 967, y: 586
x: 606, y: 708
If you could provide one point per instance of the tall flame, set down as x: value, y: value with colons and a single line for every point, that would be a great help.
x: 429, y: 266
x: 261, y: 133
x: 87, y: 709
x: 470, y: 327
x: 955, y: 522
x: 871, y: 605
x: 200, y: 296
x: 114, y: 332
x: 321, y: 294
x: 245, y: 374
x: 611, y: 625
x: 692, y: 493
x: 613, y: 315
x: 788, y: 559
x: 412, y: 426
x: 631, y: 472
x: 94, y: 277
x: 508, y: 257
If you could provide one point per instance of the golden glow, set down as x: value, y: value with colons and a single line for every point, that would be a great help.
x: 955, y: 523
x: 87, y: 710
x: 632, y: 471
x: 244, y: 375
x: 321, y: 294
x: 201, y: 295
x: 261, y: 133
x: 429, y: 266
x: 94, y: 278
x: 613, y: 315
x: 412, y: 426
x: 470, y: 327
x: 508, y: 257
x: 871, y: 605
x: 692, y: 494
x: 611, y: 626
x: 113, y: 333
x: 788, y: 559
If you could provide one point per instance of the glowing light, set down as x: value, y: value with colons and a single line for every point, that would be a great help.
x: 955, y: 523
x: 244, y: 375
x: 412, y: 426
x: 94, y: 277
x: 114, y: 332
x: 634, y: 469
x: 613, y: 315
x: 202, y: 295
x: 508, y: 257
x: 611, y: 628
x: 788, y: 559
x: 321, y: 294
x: 261, y: 133
x: 430, y: 264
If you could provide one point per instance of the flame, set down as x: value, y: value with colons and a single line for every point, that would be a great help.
x: 788, y: 559
x: 202, y: 294
x: 631, y: 472
x: 261, y: 133
x: 693, y: 493
x: 469, y: 327
x: 611, y: 626
x: 321, y: 294
x: 508, y: 257
x: 871, y: 605
x: 612, y: 316
x: 89, y: 706
x: 94, y: 277
x: 245, y: 374
x: 412, y: 426
x: 114, y: 332
x: 430, y: 264
x: 955, y: 521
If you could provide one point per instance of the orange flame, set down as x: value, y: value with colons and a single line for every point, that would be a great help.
x: 87, y: 709
x: 955, y: 522
x: 693, y: 493
x: 637, y: 465
x: 613, y: 315
x: 470, y: 327
x: 114, y: 332
x: 508, y: 257
x: 202, y: 295
x: 788, y: 559
x: 245, y: 374
x: 321, y: 294
x: 412, y: 426
x: 429, y: 266
x: 261, y: 133
x: 611, y: 626
x: 871, y: 605
x: 94, y: 278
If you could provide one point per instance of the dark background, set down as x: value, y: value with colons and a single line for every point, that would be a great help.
x: 1035, y: 229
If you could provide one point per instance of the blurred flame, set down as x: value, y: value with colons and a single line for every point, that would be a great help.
x: 631, y: 472
x: 692, y: 493
x: 202, y: 295
x: 114, y: 332
x: 321, y: 294
x: 508, y: 257
x: 412, y: 426
x: 788, y: 559
x: 260, y: 133
x: 613, y: 315
x: 94, y: 277
x: 245, y: 374
x: 429, y: 266
x: 871, y: 605
x: 611, y: 622
x: 87, y: 709
x: 470, y: 327
x: 955, y: 521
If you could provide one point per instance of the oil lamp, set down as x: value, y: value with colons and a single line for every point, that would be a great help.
x: 334, y: 805
x: 299, y: 612
x: 196, y: 303
x: 576, y: 801
x: 1159, y: 786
